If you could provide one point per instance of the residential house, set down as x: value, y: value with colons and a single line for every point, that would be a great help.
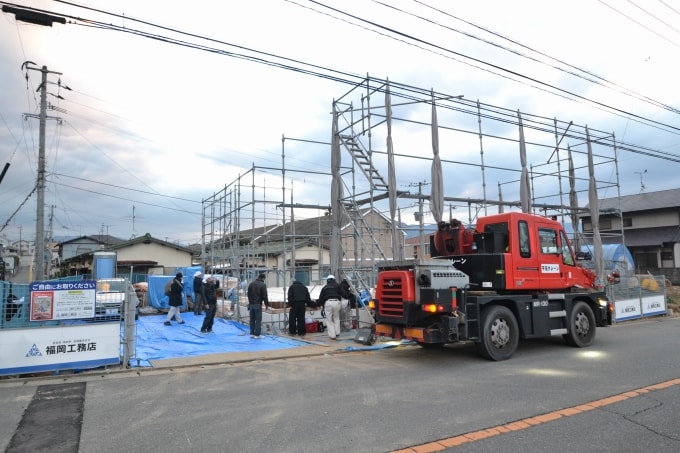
x: 365, y: 236
x: 648, y: 224
x: 143, y: 255
x: 86, y: 244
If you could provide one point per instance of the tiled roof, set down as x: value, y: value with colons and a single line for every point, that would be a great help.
x: 643, y: 201
x: 648, y: 237
x: 104, y: 239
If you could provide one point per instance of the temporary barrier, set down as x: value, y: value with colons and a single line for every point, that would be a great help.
x: 52, y: 326
x: 638, y: 296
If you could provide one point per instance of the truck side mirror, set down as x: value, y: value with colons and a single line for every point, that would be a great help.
x: 614, y: 278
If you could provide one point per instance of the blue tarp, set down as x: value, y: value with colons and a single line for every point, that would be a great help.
x: 157, y: 297
x: 156, y: 341
x: 615, y: 257
x: 188, y: 280
x: 156, y: 294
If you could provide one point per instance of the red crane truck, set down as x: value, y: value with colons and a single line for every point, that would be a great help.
x: 514, y: 276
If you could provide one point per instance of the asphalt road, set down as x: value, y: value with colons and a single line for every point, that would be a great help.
x: 621, y: 395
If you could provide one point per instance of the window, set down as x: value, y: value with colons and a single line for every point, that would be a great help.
x: 627, y: 222
x: 548, y: 240
x: 567, y: 257
x: 524, y: 243
x: 500, y: 236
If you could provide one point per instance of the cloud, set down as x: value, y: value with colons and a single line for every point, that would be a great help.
x: 151, y: 128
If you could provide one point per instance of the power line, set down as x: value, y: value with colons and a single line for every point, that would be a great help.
x: 348, y: 78
x: 497, y: 67
x: 599, y: 80
x: 328, y: 74
x: 127, y: 188
x: 639, y: 23
x: 126, y: 199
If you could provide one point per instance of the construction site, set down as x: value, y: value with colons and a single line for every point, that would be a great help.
x: 359, y: 216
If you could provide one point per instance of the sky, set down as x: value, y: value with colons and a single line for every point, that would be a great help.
x: 148, y: 128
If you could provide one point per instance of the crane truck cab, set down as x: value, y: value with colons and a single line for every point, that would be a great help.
x: 514, y: 276
x: 513, y: 251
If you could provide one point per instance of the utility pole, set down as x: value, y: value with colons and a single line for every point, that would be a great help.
x: 40, y: 215
x: 421, y: 252
x: 50, y: 236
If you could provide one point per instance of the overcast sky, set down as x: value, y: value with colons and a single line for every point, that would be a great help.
x: 150, y: 128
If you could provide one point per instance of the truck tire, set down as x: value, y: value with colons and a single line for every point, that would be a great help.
x: 581, y: 328
x: 500, y: 333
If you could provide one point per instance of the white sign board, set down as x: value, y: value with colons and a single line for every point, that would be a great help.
x: 654, y: 305
x: 59, y: 348
x: 627, y: 309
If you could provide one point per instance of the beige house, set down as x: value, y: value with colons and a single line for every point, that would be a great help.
x: 141, y: 255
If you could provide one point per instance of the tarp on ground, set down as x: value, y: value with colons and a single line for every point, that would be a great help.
x: 156, y: 341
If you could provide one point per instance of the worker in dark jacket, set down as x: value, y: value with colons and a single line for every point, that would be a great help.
x: 210, y: 299
x: 329, y: 298
x: 198, y: 293
x: 176, y: 290
x: 257, y: 295
x: 298, y: 298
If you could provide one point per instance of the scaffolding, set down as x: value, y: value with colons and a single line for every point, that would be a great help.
x: 251, y: 219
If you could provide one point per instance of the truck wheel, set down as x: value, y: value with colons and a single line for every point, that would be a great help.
x: 500, y: 334
x: 581, y: 328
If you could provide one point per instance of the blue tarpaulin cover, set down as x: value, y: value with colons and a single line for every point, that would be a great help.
x: 156, y: 287
x: 156, y: 341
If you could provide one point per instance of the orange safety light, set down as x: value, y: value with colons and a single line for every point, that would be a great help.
x: 433, y: 308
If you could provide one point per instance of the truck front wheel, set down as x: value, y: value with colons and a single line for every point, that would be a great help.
x: 500, y: 334
x: 581, y: 328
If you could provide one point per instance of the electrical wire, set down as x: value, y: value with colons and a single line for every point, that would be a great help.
x: 353, y: 79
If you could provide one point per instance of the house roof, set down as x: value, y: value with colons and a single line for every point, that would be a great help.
x: 148, y: 239
x: 316, y: 226
x: 276, y: 248
x: 643, y: 201
x: 648, y: 237
x: 312, y: 227
x: 104, y: 239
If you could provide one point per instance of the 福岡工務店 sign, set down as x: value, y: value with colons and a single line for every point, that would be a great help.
x: 52, y: 301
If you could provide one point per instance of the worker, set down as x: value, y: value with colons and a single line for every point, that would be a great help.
x: 198, y: 293
x: 257, y: 295
x: 329, y: 299
x: 349, y: 303
x: 298, y: 299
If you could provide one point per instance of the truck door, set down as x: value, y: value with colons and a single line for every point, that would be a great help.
x: 550, y: 258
